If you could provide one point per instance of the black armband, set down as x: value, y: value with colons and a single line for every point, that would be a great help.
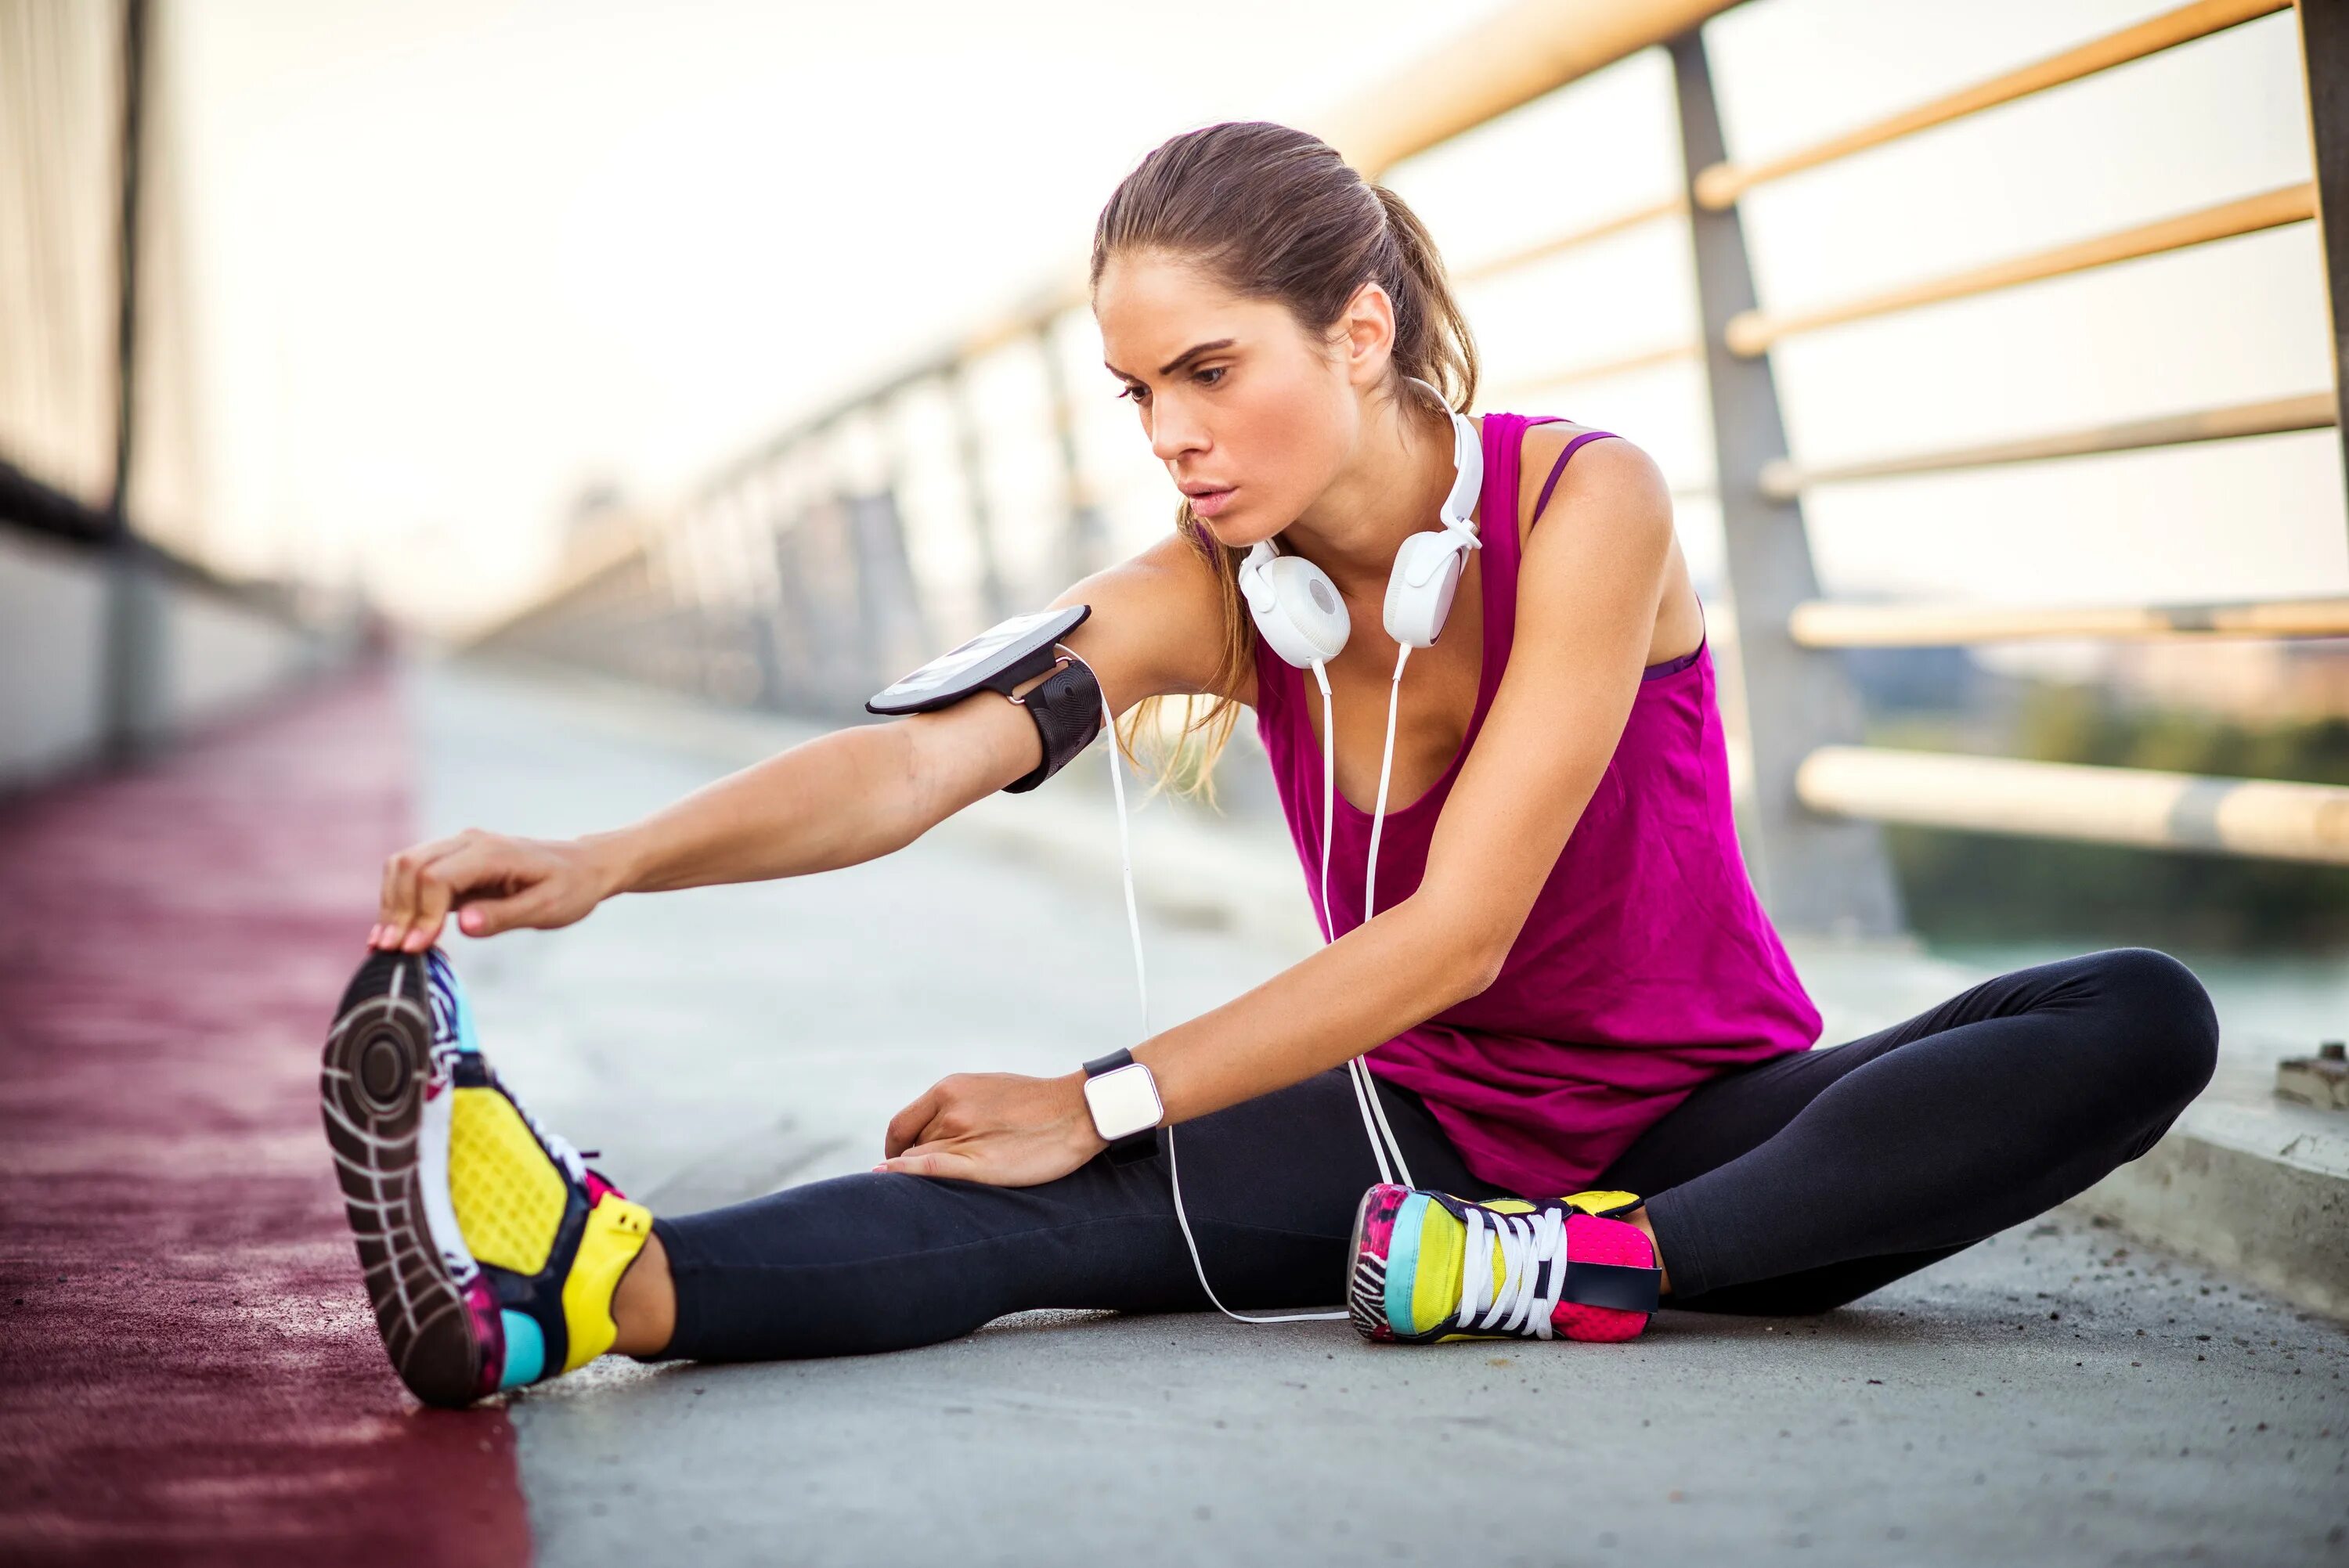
x: 1067, y: 708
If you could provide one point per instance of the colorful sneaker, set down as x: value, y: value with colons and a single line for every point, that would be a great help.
x: 491, y: 1251
x: 1430, y: 1267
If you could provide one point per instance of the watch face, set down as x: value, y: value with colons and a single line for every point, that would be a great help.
x: 1123, y: 1100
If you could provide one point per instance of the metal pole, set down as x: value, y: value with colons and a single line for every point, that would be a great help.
x: 974, y: 478
x: 136, y: 717
x: 1085, y: 546
x: 1815, y: 873
x: 2324, y: 55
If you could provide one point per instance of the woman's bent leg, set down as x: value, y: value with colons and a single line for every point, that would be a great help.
x: 885, y: 1261
x: 1813, y: 1178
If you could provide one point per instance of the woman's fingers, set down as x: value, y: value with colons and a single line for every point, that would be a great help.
x: 403, y: 893
x: 399, y: 890
x: 911, y: 1125
x: 933, y: 1159
x: 444, y: 882
x: 487, y: 917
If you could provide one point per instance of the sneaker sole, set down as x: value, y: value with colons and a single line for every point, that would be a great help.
x: 372, y: 1089
x: 1366, y: 1279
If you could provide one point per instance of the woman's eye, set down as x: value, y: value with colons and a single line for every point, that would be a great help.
x: 1216, y: 371
x: 1136, y: 393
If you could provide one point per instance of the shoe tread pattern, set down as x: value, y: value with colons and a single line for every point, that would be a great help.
x: 422, y: 1313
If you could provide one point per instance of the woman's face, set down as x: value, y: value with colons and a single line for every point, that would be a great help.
x: 1252, y: 418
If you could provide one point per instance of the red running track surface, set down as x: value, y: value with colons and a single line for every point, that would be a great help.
x: 187, y: 1368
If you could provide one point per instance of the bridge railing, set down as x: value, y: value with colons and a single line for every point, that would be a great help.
x: 792, y: 577
x: 117, y: 635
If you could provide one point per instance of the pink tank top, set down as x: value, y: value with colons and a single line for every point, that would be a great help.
x: 1646, y: 966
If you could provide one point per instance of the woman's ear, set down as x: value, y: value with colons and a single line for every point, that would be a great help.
x: 1368, y: 325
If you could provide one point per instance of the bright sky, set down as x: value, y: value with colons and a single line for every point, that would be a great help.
x: 452, y: 261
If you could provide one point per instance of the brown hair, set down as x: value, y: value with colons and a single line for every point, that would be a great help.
x: 1273, y: 212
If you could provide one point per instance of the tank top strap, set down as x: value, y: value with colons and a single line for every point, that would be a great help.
x: 1497, y: 513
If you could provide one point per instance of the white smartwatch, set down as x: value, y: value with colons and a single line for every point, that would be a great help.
x: 1126, y: 1110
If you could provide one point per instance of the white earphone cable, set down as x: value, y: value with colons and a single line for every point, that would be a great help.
x: 1386, y: 772
x: 1362, y: 1089
x: 1328, y: 794
x: 1134, y: 924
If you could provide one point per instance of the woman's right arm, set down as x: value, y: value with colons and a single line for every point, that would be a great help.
x: 839, y: 799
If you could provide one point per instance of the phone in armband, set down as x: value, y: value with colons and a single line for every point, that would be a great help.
x: 1067, y: 707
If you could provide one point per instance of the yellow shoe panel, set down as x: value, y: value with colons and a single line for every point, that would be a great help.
x: 1605, y: 1203
x: 1435, y: 1281
x: 509, y: 1196
x: 615, y: 1234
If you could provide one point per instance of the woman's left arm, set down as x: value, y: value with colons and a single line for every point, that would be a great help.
x: 1588, y: 589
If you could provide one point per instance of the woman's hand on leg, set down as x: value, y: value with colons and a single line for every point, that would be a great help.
x: 1005, y: 1129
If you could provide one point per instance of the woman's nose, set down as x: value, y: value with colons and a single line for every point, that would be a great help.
x: 1172, y: 435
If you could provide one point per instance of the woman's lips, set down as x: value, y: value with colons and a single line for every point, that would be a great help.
x: 1212, y: 503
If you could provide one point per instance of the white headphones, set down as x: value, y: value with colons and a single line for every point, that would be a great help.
x: 1298, y: 609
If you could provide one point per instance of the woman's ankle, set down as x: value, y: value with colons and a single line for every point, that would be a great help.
x: 644, y: 1304
x: 1637, y: 1218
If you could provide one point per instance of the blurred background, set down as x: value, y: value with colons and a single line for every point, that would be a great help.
x: 739, y: 351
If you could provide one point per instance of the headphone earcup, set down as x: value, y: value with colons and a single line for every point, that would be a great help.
x: 1298, y: 610
x: 1420, y: 588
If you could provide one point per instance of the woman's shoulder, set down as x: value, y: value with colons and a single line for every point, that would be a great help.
x: 1177, y: 597
x: 1616, y: 467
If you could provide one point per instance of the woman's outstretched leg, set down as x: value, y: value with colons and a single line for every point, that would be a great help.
x: 876, y: 1262
x: 494, y: 1258
x: 1813, y: 1178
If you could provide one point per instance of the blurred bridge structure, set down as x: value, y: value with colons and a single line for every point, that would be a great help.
x: 852, y: 545
x: 118, y: 632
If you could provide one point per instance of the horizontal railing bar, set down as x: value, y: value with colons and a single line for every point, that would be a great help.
x: 1670, y: 206
x: 1720, y: 185
x: 1600, y: 369
x: 1828, y: 624
x: 1783, y: 480
x: 1504, y: 61
x: 2250, y: 817
x: 1753, y: 332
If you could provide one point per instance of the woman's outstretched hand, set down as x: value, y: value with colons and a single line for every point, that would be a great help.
x: 1004, y: 1128
x: 492, y: 882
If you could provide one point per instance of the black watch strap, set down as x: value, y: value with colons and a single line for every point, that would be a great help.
x: 1067, y: 707
x: 1133, y: 1146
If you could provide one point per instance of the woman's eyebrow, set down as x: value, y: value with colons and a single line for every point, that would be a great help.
x: 1180, y: 359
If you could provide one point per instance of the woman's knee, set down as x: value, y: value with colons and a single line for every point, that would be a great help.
x: 2162, y: 1028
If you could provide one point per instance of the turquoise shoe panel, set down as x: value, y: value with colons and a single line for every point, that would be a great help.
x: 1402, y: 1261
x: 525, y: 1350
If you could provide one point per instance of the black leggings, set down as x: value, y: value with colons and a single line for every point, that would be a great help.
x: 1791, y: 1186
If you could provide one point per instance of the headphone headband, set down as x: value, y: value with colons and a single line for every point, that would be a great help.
x: 1467, y: 463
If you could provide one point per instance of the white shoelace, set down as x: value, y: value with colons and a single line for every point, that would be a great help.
x: 565, y: 1153
x: 1533, y: 1270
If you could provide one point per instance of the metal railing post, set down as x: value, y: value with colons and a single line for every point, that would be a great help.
x: 971, y: 445
x: 1815, y: 873
x: 1084, y: 548
x: 137, y: 717
x: 2324, y: 55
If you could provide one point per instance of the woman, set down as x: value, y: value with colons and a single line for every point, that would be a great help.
x: 1567, y: 983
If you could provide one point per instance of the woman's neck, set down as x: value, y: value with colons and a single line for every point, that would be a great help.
x: 1395, y: 485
